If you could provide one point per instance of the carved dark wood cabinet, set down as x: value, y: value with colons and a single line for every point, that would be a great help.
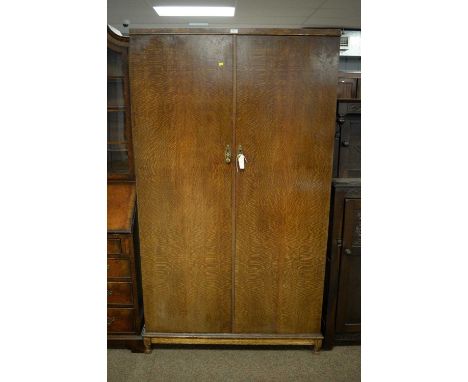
x: 347, y: 151
x: 341, y: 321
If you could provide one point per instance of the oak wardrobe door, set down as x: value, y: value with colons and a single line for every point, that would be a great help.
x: 182, y: 90
x: 286, y: 95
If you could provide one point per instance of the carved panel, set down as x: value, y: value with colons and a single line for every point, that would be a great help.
x: 348, y: 313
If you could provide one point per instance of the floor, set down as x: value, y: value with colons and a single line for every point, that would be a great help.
x: 213, y: 364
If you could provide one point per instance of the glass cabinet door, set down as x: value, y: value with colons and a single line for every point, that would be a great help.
x: 117, y: 149
x: 115, y: 93
x: 118, y: 165
x: 116, y: 126
x: 117, y: 159
x: 114, y: 64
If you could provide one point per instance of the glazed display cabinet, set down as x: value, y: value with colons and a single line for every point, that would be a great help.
x: 119, y: 132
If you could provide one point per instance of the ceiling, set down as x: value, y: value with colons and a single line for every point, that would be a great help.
x: 249, y: 13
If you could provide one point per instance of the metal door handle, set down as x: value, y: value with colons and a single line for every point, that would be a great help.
x: 345, y: 143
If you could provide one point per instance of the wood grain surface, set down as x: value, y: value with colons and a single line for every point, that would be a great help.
x: 120, y: 206
x: 181, y: 90
x: 286, y: 94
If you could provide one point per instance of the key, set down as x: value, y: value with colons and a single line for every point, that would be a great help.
x: 241, y: 160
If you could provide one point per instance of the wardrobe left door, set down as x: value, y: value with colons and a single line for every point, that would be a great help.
x: 182, y: 97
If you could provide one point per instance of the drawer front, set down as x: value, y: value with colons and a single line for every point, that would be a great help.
x: 114, y: 246
x: 350, y: 148
x: 118, y: 268
x: 120, y: 320
x: 119, y: 293
x: 118, y: 246
x: 349, y: 108
x: 347, y: 88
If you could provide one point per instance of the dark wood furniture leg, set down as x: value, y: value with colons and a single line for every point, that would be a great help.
x: 147, y: 342
x: 317, y: 346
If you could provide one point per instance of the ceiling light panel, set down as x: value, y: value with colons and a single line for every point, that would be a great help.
x: 195, y: 11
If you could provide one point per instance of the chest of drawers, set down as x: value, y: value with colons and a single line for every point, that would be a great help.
x: 124, y: 302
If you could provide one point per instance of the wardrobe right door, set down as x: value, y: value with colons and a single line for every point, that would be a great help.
x: 285, y: 113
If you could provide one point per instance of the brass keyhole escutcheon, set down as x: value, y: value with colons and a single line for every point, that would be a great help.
x: 227, y: 154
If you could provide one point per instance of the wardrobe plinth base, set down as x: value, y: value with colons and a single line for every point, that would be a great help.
x: 314, y: 340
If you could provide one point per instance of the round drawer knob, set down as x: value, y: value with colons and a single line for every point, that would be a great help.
x: 347, y: 251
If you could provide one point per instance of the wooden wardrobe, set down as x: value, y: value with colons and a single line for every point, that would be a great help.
x: 231, y: 255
